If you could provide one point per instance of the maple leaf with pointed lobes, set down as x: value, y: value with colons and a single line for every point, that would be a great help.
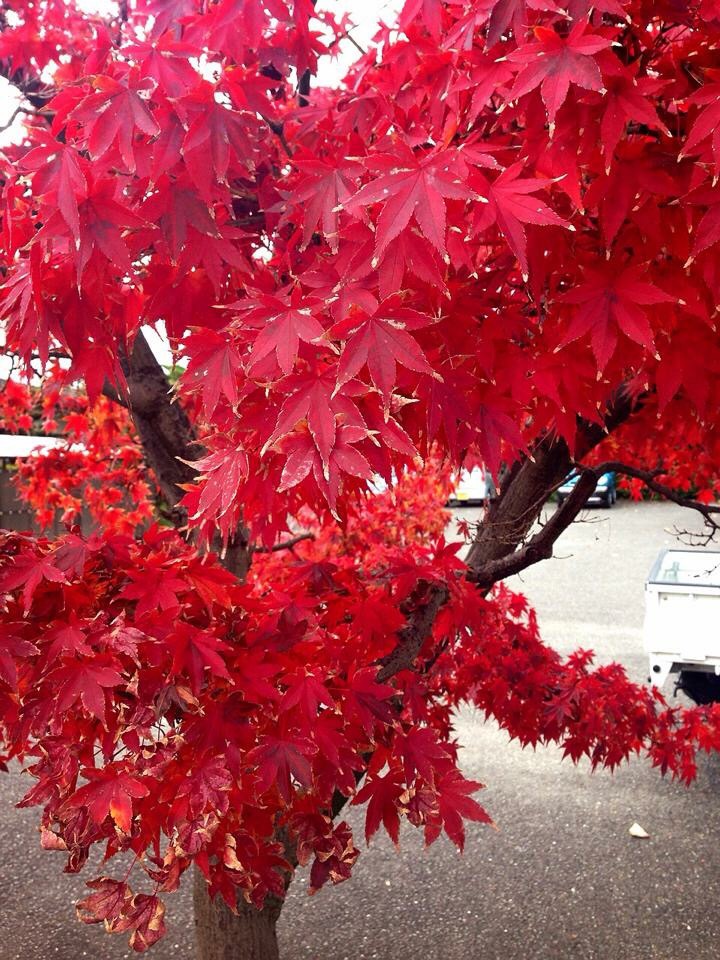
x: 282, y: 323
x: 707, y: 123
x: 103, y: 224
x: 165, y: 61
x: 312, y: 402
x: 384, y: 795
x: 179, y: 212
x: 430, y: 11
x: 109, y: 792
x: 421, y: 753
x: 155, y: 588
x: 221, y: 473
x: 216, y: 135
x: 13, y: 647
x: 409, y: 253
x: 511, y: 204
x: 554, y: 62
x: 214, y: 368
x: 145, y: 918
x: 322, y: 193
x: 28, y: 571
x: 23, y: 309
x: 85, y: 681
x: 279, y: 760
x: 412, y: 186
x: 303, y: 456
x: 610, y: 301
x: 367, y: 700
x: 707, y: 232
x: 626, y: 99
x: 193, y: 650
x: 455, y: 805
x: 306, y: 691
x: 381, y: 341
x: 58, y: 172
x: 112, y: 114
x: 485, y: 78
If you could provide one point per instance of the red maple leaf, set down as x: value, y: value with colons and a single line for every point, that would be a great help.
x: 85, y: 681
x: 554, y: 62
x: 303, y: 456
x: 193, y: 650
x: 456, y: 805
x: 58, y: 173
x: 313, y: 402
x: 144, y: 916
x: 109, y: 792
x: 112, y: 114
x: 381, y: 340
x: 215, y: 135
x: 511, y: 204
x: 155, y: 588
x: 279, y: 760
x: 384, y: 794
x: 706, y: 124
x: 107, y: 903
x: 28, y: 570
x: 214, y: 367
x: 505, y: 12
x: 323, y: 191
x: 414, y: 186
x: 421, y: 753
x: 611, y: 301
x: 282, y: 323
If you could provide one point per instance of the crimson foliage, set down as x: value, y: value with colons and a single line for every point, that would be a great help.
x: 502, y: 222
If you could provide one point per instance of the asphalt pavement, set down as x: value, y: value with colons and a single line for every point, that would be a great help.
x: 561, y: 879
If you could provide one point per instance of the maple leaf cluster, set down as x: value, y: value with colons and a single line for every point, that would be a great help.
x: 166, y: 710
x: 96, y: 473
x: 505, y: 217
x: 191, y: 715
x: 490, y: 228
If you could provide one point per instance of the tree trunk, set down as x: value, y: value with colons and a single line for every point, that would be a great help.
x: 220, y: 934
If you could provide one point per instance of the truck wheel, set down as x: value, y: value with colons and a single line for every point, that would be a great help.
x: 701, y: 687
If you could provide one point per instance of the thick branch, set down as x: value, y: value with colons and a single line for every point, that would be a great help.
x: 416, y: 631
x: 496, y: 552
x: 540, y: 546
x: 166, y: 433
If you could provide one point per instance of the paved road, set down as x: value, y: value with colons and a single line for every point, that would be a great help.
x: 560, y: 880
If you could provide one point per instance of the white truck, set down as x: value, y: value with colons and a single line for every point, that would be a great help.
x: 682, y: 621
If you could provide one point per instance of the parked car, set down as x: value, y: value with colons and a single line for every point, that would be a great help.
x: 682, y: 596
x: 471, y: 487
x: 605, y: 493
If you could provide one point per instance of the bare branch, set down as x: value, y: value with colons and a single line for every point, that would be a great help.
x: 285, y: 544
x: 708, y: 511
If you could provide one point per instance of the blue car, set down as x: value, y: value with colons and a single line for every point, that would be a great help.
x: 605, y: 493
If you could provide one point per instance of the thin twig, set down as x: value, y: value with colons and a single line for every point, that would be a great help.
x: 285, y: 544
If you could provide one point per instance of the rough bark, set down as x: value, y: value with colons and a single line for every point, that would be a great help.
x: 222, y: 935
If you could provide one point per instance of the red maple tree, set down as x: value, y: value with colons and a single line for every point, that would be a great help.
x: 497, y: 241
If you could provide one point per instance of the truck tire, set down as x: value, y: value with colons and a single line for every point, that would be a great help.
x: 701, y: 687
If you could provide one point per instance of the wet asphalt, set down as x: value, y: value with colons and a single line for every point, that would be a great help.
x: 561, y: 878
